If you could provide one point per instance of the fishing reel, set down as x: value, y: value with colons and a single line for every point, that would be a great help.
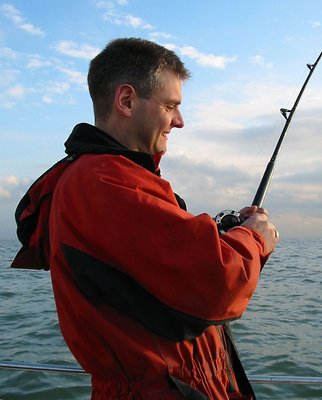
x: 226, y: 220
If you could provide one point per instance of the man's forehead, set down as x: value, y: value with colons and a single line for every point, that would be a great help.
x: 171, y: 84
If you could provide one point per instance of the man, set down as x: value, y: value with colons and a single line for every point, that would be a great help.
x: 144, y: 289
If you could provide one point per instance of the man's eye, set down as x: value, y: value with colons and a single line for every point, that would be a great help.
x: 170, y: 107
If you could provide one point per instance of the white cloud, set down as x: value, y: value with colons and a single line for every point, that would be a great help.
x: 47, y: 99
x: 36, y: 62
x: 260, y: 61
x: 12, y: 186
x: 104, y: 4
x: 11, y: 180
x: 17, y: 91
x: 8, y: 76
x: 6, y: 104
x: 4, y: 193
x: 72, y: 49
x: 74, y: 76
x: 228, y: 145
x: 129, y: 20
x: 163, y: 35
x: 205, y: 60
x: 316, y: 24
x: 61, y: 89
x: 135, y: 22
x: 57, y: 87
x: 12, y: 91
x: 244, y: 131
x: 227, y: 183
x: 6, y: 52
x: 170, y: 46
x: 19, y: 21
x: 9, y: 97
x: 117, y: 17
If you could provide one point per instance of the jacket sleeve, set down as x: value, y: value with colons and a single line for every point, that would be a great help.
x: 130, y: 245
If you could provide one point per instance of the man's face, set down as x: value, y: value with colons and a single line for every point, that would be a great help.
x: 154, y: 118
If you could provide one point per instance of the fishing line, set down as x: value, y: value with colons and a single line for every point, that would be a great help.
x: 227, y: 219
x: 285, y: 85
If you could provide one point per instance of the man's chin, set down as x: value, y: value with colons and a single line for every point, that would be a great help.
x: 160, y: 151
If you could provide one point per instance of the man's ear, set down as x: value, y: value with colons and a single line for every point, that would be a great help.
x: 124, y: 96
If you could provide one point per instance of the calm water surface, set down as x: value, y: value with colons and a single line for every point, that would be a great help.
x: 279, y: 334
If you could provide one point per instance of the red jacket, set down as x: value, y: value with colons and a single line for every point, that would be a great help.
x: 143, y: 288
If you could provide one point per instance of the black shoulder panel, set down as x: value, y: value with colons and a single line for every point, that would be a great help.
x: 32, y: 216
x: 99, y: 281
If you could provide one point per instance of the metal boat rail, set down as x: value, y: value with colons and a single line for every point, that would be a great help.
x: 270, y: 379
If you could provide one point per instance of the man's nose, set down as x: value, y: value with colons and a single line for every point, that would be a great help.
x: 178, y: 120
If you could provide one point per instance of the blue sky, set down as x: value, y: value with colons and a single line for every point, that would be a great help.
x: 247, y: 58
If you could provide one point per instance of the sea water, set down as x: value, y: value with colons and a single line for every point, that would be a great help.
x: 279, y: 334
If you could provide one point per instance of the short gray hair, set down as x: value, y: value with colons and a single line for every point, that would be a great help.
x: 132, y: 61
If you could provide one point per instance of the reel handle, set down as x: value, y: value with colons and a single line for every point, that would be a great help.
x: 226, y: 220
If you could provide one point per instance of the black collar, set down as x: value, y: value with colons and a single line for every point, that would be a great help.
x: 86, y: 138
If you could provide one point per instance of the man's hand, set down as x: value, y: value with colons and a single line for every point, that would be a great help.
x: 257, y: 219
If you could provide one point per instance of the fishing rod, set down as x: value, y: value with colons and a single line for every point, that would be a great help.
x: 227, y: 219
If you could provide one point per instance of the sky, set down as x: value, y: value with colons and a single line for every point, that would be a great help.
x: 247, y: 59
